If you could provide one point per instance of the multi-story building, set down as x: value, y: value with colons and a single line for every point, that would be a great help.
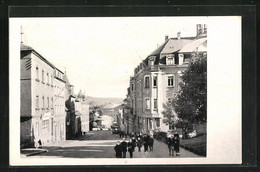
x: 42, y: 99
x: 156, y: 79
x: 59, y: 130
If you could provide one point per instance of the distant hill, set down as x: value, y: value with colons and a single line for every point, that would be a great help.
x: 104, y: 100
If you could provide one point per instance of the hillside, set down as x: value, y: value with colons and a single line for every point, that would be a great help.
x: 104, y: 100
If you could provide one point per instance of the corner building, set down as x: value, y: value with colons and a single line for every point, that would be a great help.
x: 156, y: 79
x: 42, y: 110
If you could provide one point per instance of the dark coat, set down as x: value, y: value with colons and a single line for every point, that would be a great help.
x: 134, y: 142
x: 151, y: 140
x: 124, y: 146
x: 170, y: 142
x: 118, y: 150
x: 176, y: 143
x: 130, y: 146
x: 139, y: 143
x: 146, y: 140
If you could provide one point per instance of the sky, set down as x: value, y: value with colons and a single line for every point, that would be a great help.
x: 100, y: 54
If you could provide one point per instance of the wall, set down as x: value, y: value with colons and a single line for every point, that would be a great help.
x: 25, y: 133
x: 25, y: 87
x: 59, y: 131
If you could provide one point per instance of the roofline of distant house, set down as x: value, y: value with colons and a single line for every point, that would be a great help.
x: 43, y: 59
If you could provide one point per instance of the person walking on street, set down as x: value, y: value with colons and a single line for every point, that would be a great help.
x: 170, y: 143
x: 124, y: 147
x: 134, y: 142
x: 151, y: 140
x: 118, y: 150
x: 146, y: 142
x: 177, y: 144
x: 130, y: 146
x: 139, y: 144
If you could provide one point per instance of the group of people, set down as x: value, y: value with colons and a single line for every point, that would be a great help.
x: 173, y: 142
x: 122, y: 147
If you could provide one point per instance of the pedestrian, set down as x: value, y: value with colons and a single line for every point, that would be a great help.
x: 130, y: 146
x: 124, y: 147
x: 170, y: 143
x: 146, y: 142
x: 139, y: 144
x: 134, y: 142
x: 118, y: 150
x: 177, y: 144
x: 151, y: 140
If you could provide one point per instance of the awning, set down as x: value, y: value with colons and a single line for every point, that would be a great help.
x: 46, y: 116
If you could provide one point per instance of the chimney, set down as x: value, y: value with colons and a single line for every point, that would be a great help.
x: 179, y: 35
x: 166, y: 38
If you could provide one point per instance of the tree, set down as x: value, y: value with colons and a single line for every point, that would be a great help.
x: 190, y: 104
x: 169, y: 114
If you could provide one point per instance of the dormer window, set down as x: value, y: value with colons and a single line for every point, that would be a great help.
x: 170, y: 60
x: 151, y: 60
x: 181, y: 57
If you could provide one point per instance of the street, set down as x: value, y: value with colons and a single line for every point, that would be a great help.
x: 100, y: 144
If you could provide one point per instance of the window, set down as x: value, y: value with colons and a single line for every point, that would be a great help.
x: 146, y: 82
x: 170, y: 60
x: 151, y: 63
x: 52, y: 102
x: 147, y: 103
x: 170, y: 81
x: 155, y: 81
x: 42, y: 76
x: 155, y: 106
x: 157, y: 122
x: 51, y: 80
x: 37, y: 73
x: 42, y: 102
x: 181, y: 57
x: 132, y: 87
x: 48, y: 103
x: 48, y: 79
x: 37, y: 102
x: 205, y: 28
x: 45, y: 125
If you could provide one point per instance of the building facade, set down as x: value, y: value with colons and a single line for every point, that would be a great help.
x: 156, y: 79
x: 42, y: 113
x: 58, y: 122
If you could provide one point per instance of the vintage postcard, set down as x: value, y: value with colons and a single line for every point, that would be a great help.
x: 125, y: 90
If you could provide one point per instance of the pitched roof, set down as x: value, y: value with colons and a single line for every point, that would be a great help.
x: 200, y: 43
x: 158, y: 50
x: 174, y: 45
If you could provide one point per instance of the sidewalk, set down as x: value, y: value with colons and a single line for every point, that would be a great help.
x: 46, y: 148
